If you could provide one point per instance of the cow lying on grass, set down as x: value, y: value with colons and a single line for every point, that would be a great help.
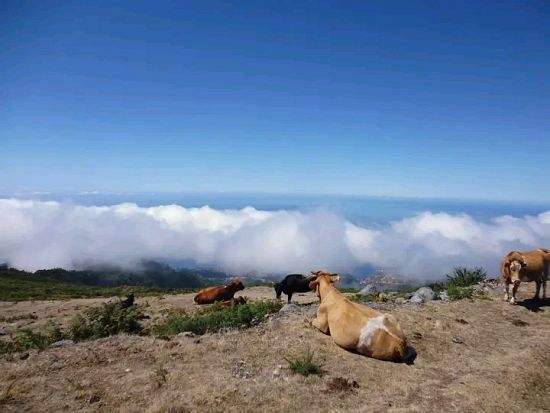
x: 357, y: 327
x: 293, y: 283
x: 525, y: 266
x: 210, y: 295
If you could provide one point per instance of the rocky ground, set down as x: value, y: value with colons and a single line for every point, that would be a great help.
x: 472, y: 355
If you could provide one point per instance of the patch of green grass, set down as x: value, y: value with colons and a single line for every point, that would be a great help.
x: 457, y: 293
x: 217, y: 318
x: 304, y: 364
x: 107, y: 320
x: 348, y: 290
x: 27, y: 339
x: 16, y: 288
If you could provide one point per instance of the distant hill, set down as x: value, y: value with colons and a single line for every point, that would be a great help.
x: 152, y: 274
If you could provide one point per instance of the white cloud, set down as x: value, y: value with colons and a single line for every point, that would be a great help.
x: 36, y: 234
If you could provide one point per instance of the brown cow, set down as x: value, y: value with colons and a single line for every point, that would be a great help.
x: 210, y: 295
x: 354, y: 326
x: 525, y: 266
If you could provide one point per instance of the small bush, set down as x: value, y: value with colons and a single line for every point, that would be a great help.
x: 27, y: 339
x: 217, y: 318
x: 107, y: 320
x: 304, y: 365
x: 348, y: 290
x: 457, y: 293
x: 464, y: 277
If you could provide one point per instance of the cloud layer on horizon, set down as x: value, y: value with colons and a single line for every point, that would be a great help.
x: 38, y: 234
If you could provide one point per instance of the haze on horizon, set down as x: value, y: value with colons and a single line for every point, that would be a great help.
x: 446, y: 100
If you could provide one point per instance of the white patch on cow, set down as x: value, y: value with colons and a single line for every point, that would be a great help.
x: 367, y: 333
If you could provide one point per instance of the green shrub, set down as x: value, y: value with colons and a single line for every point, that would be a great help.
x: 217, y: 318
x: 457, y: 293
x: 107, y: 320
x: 27, y: 339
x: 304, y: 365
x: 464, y: 277
x: 348, y: 290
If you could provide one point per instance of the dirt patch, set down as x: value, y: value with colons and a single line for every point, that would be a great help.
x: 341, y: 384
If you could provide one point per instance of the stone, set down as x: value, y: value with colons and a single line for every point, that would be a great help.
x: 186, y: 334
x: 400, y: 300
x: 288, y: 308
x: 62, y: 343
x: 443, y: 296
x: 368, y: 289
x: 423, y: 295
x: 458, y: 340
x: 24, y: 356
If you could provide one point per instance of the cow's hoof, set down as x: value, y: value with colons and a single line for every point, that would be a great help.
x: 512, y: 301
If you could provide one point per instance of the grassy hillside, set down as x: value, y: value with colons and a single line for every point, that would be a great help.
x: 20, y: 286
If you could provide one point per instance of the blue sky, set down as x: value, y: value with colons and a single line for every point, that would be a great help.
x: 431, y: 99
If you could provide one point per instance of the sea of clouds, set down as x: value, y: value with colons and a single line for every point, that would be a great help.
x: 46, y: 234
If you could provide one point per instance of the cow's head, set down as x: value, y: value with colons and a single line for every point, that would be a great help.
x: 236, y: 285
x: 278, y: 290
x: 321, y: 275
x: 515, y: 268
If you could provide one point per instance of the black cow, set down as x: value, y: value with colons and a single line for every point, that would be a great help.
x: 293, y: 283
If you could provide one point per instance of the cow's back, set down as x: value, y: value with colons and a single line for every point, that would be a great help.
x: 209, y: 294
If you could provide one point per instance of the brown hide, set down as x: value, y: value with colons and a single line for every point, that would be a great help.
x: 210, y: 295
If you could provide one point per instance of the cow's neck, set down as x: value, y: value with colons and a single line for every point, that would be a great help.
x: 327, y: 291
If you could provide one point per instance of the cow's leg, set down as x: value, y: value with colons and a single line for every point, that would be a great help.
x: 544, y: 279
x: 507, y: 290
x: 537, y: 291
x: 289, y: 297
x: 514, y: 291
x: 321, y: 321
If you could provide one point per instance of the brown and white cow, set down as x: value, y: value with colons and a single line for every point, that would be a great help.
x: 210, y: 295
x: 357, y: 327
x: 518, y: 267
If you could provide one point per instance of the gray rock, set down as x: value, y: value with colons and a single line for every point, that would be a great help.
x: 288, y: 308
x: 458, y: 340
x: 443, y: 296
x: 63, y: 343
x: 400, y: 300
x: 423, y: 295
x: 186, y: 334
x: 369, y: 289
x: 24, y: 356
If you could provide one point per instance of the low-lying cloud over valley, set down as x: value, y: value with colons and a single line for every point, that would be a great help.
x: 37, y: 234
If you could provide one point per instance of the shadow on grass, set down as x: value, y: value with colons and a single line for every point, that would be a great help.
x: 535, y: 305
x: 410, y: 357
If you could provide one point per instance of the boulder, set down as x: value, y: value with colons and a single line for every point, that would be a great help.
x: 423, y: 295
x: 186, y: 334
x: 289, y: 308
x: 62, y: 343
x: 368, y: 289
x: 443, y: 296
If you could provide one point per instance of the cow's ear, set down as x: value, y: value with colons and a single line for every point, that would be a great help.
x: 334, y: 279
x: 313, y: 284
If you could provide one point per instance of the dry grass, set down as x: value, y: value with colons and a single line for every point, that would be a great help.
x: 503, y: 363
